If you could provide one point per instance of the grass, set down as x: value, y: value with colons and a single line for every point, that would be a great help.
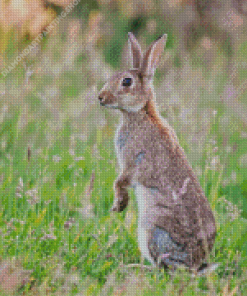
x: 55, y: 218
x: 57, y: 168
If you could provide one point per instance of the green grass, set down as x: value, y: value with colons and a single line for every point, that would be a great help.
x: 55, y: 219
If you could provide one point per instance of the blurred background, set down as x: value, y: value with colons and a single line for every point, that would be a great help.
x: 204, y: 66
x: 54, y: 58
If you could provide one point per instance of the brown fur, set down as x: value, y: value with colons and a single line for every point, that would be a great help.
x: 155, y: 118
x: 170, y: 199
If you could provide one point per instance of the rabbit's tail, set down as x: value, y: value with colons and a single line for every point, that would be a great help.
x: 207, y: 268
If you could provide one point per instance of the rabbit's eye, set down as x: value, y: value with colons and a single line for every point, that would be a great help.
x: 127, y: 82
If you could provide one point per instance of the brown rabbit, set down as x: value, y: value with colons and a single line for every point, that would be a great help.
x: 175, y: 223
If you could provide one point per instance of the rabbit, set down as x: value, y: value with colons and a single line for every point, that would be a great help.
x: 176, y: 225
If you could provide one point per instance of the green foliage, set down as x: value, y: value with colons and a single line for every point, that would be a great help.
x: 114, y: 46
x: 56, y: 186
x: 70, y: 85
x: 84, y: 7
x: 33, y: 227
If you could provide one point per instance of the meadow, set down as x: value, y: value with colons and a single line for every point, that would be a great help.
x: 58, y: 165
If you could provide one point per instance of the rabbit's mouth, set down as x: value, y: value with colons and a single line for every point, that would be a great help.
x: 108, y: 105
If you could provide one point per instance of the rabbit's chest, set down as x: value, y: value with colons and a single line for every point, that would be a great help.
x: 128, y: 148
x: 121, y: 140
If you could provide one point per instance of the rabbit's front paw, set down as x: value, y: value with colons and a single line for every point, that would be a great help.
x: 115, y: 208
x: 119, y: 206
x: 121, y: 201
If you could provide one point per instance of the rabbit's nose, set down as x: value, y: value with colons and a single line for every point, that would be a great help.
x: 101, y: 99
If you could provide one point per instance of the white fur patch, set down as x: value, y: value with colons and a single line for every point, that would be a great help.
x: 183, y: 190
x: 143, y: 201
x: 174, y: 195
x: 133, y: 108
x: 114, y: 106
x: 117, y: 149
x: 212, y: 267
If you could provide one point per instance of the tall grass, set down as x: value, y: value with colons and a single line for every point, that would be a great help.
x: 58, y: 165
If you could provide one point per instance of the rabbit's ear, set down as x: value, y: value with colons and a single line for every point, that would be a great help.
x: 152, y: 56
x: 135, y: 51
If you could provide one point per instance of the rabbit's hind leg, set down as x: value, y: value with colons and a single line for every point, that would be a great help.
x: 165, y: 250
